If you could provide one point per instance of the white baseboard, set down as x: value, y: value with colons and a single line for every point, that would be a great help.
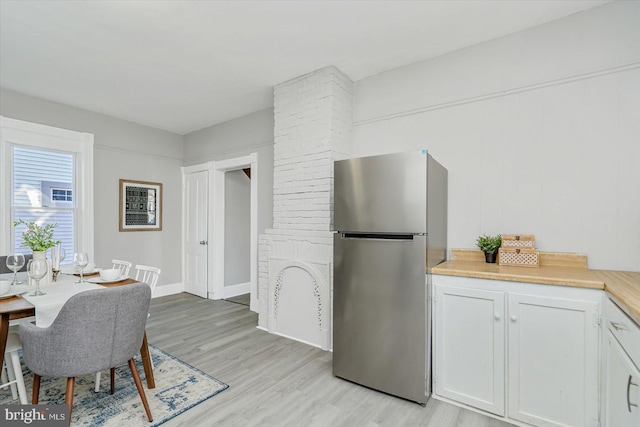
x: 235, y: 290
x: 170, y: 289
x: 289, y: 337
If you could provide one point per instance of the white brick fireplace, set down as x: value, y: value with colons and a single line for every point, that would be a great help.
x: 313, y: 122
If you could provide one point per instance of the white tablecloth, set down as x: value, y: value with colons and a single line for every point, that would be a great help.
x: 57, y: 293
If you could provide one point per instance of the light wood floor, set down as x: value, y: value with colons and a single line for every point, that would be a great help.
x: 276, y: 381
x: 244, y: 299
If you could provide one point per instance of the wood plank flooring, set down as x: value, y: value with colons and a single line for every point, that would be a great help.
x: 244, y: 299
x: 275, y: 381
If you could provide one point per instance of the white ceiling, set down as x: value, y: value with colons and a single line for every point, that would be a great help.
x: 185, y: 65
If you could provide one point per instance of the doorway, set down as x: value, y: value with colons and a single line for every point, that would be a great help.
x: 242, y: 265
x: 237, y: 237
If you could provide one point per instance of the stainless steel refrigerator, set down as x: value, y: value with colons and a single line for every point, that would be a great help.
x: 390, y: 218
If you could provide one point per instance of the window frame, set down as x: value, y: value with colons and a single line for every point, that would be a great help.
x: 33, y: 135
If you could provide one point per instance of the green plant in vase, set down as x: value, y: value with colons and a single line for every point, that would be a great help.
x: 38, y: 238
x: 489, y: 245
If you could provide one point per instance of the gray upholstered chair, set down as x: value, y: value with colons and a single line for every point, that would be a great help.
x: 94, y: 331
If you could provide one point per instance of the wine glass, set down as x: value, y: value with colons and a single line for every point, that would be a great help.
x: 37, y: 269
x: 81, y: 260
x: 14, y: 263
x: 57, y: 256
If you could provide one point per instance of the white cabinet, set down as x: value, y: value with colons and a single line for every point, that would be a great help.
x: 470, y: 347
x: 553, y: 360
x: 521, y: 351
x: 622, y: 392
x: 623, y: 381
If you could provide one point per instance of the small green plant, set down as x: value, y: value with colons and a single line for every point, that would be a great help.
x: 489, y: 244
x: 37, y: 237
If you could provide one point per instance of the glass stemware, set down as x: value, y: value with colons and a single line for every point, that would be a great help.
x: 57, y: 256
x: 37, y: 269
x: 81, y: 260
x: 14, y: 263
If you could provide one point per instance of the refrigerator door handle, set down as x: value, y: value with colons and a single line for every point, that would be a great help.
x: 378, y: 236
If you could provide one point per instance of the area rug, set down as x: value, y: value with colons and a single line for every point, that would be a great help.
x: 179, y: 387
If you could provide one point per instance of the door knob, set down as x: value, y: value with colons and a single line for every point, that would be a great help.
x: 514, y: 318
x: 203, y: 242
x: 497, y: 316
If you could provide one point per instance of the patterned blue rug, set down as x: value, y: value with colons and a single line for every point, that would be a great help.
x: 179, y: 387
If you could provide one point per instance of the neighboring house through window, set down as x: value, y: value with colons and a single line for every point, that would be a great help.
x: 47, y: 177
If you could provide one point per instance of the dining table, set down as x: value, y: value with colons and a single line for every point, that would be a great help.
x: 45, y: 308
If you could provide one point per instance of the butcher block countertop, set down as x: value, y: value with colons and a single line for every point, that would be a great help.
x: 555, y: 269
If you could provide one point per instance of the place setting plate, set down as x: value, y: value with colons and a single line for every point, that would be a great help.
x: 74, y: 271
x: 14, y: 290
x: 98, y: 280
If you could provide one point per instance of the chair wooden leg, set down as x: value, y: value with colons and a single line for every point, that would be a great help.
x: 136, y: 379
x: 113, y: 380
x: 146, y: 362
x: 68, y: 398
x: 36, y: 389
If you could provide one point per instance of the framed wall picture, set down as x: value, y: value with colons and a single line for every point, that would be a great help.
x: 140, y: 205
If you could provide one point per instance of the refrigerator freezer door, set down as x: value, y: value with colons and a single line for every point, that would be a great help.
x: 384, y: 193
x: 379, y: 330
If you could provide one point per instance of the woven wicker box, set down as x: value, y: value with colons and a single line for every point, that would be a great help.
x: 525, y: 241
x: 519, y: 257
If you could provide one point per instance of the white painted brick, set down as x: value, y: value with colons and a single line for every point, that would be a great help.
x: 313, y: 120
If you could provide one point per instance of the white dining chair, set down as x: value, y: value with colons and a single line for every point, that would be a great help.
x: 15, y: 379
x: 123, y: 266
x: 145, y: 274
x: 148, y: 275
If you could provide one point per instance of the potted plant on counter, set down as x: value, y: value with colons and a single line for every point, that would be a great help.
x: 489, y: 245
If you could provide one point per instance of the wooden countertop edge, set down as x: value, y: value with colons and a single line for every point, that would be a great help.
x: 620, y: 285
x: 623, y: 302
x: 510, y: 277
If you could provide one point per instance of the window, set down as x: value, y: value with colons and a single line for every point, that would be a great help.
x: 34, y: 173
x: 46, y: 176
x: 61, y: 195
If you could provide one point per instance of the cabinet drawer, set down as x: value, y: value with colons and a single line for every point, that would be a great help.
x: 626, y: 331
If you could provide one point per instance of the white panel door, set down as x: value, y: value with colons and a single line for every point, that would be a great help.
x: 469, y: 348
x: 553, y: 361
x: 623, y: 387
x: 196, y: 234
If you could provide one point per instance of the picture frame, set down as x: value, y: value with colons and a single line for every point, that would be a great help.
x: 140, y: 205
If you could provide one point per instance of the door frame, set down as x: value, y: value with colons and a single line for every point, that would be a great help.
x: 217, y: 192
x: 186, y: 170
x: 216, y: 222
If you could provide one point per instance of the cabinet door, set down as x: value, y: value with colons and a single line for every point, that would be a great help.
x: 623, y: 387
x: 553, y: 361
x: 469, y: 347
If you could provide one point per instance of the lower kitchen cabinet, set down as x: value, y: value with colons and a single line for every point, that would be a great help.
x: 469, y: 347
x: 623, y: 387
x: 553, y: 360
x: 521, y: 351
x: 622, y: 375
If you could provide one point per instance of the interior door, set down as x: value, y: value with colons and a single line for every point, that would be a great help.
x: 196, y: 233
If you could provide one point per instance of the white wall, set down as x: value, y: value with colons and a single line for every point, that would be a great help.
x: 237, y: 236
x: 121, y: 150
x: 540, y: 132
x: 252, y: 133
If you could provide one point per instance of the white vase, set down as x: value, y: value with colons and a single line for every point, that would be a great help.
x: 47, y: 278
